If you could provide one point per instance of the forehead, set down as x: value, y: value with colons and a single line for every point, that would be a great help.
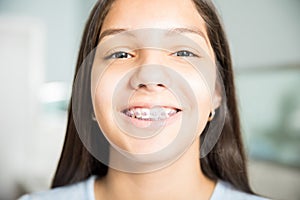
x: 164, y: 14
x: 160, y: 14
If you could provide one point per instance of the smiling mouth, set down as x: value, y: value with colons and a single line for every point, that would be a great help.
x: 151, y: 114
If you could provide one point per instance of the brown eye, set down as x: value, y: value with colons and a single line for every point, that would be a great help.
x: 184, y: 53
x: 119, y: 55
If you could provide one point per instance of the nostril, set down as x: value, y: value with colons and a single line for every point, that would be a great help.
x: 150, y: 85
x: 141, y: 85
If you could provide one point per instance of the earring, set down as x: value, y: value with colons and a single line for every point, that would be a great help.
x: 211, y: 115
x: 94, y: 117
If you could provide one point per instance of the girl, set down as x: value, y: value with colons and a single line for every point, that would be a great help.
x: 153, y: 70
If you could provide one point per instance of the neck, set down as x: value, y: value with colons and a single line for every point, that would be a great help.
x: 181, y: 180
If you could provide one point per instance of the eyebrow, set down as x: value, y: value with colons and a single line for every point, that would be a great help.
x: 109, y: 32
x: 189, y: 30
x: 115, y: 31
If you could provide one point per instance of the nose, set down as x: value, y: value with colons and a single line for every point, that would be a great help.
x: 151, y: 75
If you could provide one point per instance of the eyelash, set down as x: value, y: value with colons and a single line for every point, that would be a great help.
x: 118, y: 55
x: 124, y: 55
x: 190, y: 54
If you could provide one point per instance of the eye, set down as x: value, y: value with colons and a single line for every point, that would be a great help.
x: 184, y: 53
x: 119, y: 55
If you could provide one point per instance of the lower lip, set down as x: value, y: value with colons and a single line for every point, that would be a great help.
x: 152, y: 123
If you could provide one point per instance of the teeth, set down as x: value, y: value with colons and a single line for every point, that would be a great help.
x: 145, y: 113
x: 150, y: 114
x: 137, y: 113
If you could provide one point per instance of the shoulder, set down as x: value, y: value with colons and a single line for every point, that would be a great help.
x: 80, y: 190
x: 226, y: 191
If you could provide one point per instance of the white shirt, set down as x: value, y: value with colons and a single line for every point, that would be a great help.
x: 84, y: 190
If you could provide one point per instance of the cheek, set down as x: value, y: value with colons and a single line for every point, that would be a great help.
x: 204, y: 100
x: 103, y: 95
x: 103, y: 105
x: 105, y: 86
x: 204, y: 110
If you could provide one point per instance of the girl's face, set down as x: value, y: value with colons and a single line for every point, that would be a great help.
x: 144, y: 84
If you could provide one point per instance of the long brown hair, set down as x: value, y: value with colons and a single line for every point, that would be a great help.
x: 226, y: 161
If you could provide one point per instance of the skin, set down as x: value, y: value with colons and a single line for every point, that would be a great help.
x: 184, y: 178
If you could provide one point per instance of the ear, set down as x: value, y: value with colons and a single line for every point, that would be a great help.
x: 217, y: 97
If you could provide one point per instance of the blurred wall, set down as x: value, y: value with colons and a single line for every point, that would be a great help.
x: 64, y: 21
x: 262, y: 33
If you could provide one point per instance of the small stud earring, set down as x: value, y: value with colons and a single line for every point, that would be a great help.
x: 211, y: 115
x: 94, y: 117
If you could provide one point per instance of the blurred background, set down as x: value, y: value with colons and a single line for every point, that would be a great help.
x: 39, y: 42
